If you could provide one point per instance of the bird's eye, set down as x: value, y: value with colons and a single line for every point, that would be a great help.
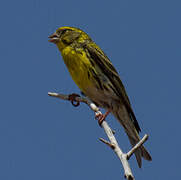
x: 61, y: 32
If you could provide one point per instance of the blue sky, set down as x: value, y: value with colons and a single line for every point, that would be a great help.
x: 45, y: 138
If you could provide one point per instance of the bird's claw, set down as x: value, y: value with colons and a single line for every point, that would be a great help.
x: 72, y: 99
x: 101, y: 117
x: 98, y: 116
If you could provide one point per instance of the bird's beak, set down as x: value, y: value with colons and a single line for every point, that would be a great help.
x: 53, y: 38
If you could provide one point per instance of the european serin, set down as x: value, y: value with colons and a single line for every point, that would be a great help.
x: 97, y: 78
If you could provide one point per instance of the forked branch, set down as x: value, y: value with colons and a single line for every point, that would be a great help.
x: 113, y: 144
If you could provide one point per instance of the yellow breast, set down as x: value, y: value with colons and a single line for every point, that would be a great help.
x: 78, y: 65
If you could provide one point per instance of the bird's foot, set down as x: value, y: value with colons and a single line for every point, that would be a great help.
x: 72, y: 99
x: 101, y: 117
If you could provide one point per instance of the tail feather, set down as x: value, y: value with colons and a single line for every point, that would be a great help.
x: 145, y: 154
x: 123, y: 117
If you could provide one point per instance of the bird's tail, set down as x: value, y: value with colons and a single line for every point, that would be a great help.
x: 141, y: 152
x: 124, y: 118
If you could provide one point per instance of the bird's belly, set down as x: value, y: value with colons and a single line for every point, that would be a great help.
x: 79, y: 65
x: 102, y: 98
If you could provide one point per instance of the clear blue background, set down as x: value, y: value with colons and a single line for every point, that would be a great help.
x: 46, y: 138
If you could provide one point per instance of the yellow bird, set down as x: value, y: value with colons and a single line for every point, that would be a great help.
x: 97, y: 78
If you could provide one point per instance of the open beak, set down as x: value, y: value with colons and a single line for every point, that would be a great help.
x: 53, y: 38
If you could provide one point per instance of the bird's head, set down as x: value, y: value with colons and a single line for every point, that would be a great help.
x: 64, y: 36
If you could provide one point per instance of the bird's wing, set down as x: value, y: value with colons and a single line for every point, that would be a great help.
x: 108, y: 69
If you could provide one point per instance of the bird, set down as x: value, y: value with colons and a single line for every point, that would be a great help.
x: 98, y: 79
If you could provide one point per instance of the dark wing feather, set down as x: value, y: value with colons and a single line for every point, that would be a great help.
x: 106, y: 66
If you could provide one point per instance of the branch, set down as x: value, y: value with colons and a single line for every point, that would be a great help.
x: 113, y: 144
x: 142, y: 141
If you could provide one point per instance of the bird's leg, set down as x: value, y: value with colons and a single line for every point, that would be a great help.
x: 72, y: 98
x: 101, y: 117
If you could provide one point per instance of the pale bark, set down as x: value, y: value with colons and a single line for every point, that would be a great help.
x: 113, y: 144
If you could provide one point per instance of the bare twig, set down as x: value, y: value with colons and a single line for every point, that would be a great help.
x: 123, y: 157
x: 107, y: 143
x: 142, y: 141
x: 113, y: 142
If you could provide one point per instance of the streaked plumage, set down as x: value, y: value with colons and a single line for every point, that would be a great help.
x: 97, y: 78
